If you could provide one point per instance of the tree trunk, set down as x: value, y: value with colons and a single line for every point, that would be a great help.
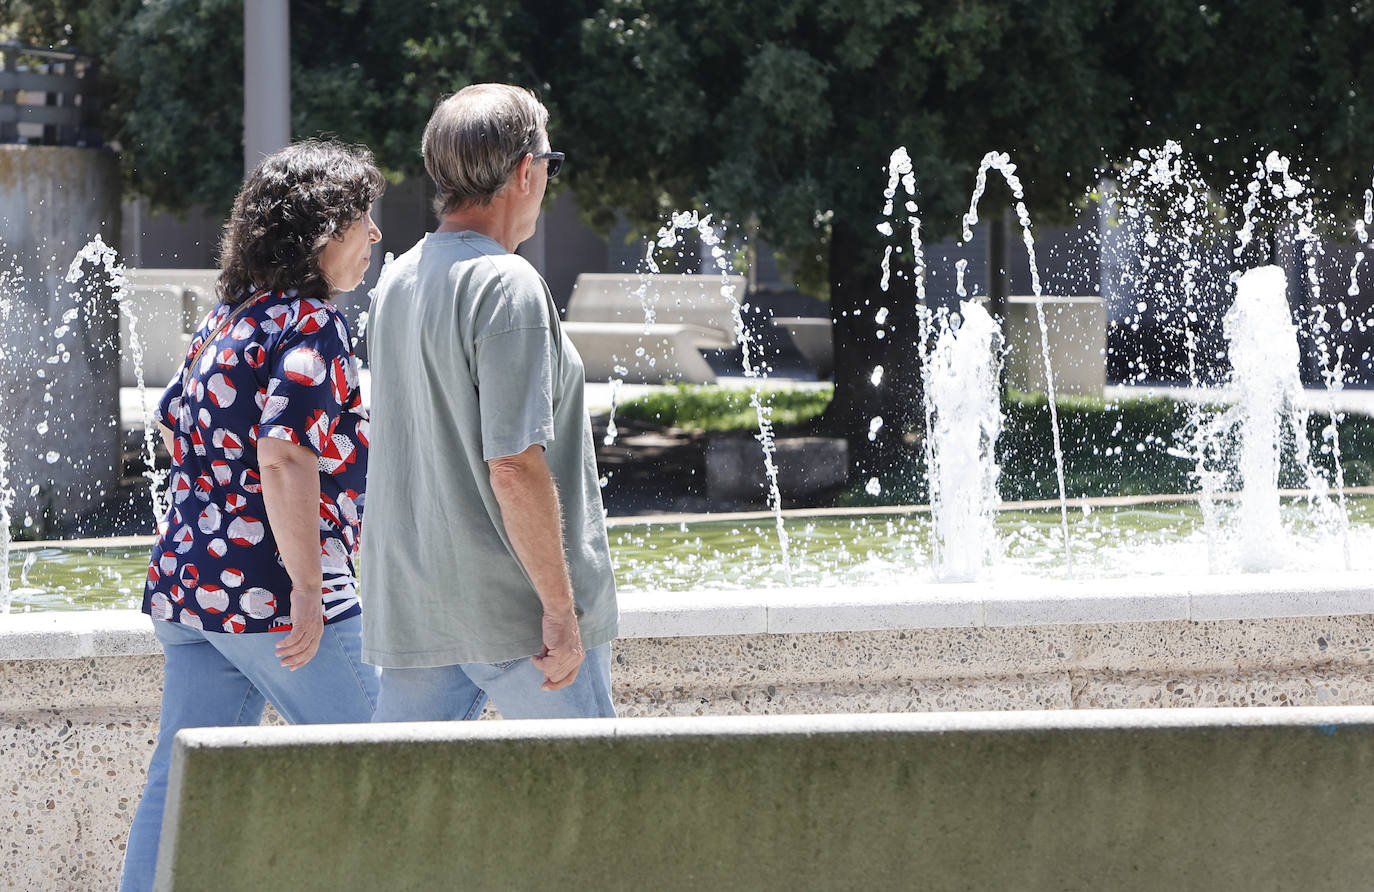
x: 855, y: 299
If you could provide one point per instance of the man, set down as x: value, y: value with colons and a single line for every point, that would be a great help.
x: 486, y: 567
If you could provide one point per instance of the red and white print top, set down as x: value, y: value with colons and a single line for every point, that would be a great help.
x: 284, y: 368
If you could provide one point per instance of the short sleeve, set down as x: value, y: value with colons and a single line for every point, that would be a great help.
x: 515, y: 390
x: 309, y: 381
x: 168, y: 405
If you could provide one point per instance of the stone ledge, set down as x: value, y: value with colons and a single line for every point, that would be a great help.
x: 784, y: 611
x: 1218, y: 799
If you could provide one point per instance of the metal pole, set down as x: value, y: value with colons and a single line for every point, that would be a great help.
x: 266, y: 79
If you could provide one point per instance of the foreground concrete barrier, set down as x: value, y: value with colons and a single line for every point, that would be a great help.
x: 1212, y: 799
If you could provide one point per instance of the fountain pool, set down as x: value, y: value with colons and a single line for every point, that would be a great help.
x: 888, y: 551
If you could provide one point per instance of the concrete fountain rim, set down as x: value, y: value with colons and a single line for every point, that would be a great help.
x: 1030, y: 602
x: 52, y: 635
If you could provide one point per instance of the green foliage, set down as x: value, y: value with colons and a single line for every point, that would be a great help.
x: 709, y: 408
x: 787, y: 110
x: 1111, y: 449
x: 177, y: 72
x: 362, y: 70
x: 779, y: 113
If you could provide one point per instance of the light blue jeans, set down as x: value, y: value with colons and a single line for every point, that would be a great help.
x: 451, y: 693
x: 216, y: 679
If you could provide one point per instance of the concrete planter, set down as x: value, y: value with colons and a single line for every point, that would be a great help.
x: 806, y: 465
x: 59, y: 342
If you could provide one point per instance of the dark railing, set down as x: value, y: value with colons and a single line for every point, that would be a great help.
x: 46, y: 97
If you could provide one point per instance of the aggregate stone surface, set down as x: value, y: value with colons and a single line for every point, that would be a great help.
x: 76, y: 734
x: 75, y: 739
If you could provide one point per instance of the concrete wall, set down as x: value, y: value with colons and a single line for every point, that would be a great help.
x: 79, y: 692
x: 59, y: 342
x: 1127, y: 800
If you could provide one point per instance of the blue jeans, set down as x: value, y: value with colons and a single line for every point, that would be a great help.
x: 449, y: 693
x: 215, y: 679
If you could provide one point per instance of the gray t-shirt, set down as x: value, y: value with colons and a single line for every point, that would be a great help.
x: 469, y: 363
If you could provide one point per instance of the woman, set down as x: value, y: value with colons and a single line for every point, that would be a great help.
x: 251, y: 587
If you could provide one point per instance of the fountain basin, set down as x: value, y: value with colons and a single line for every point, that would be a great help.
x: 79, y: 692
x: 865, y: 549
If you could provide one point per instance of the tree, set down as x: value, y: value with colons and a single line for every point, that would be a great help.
x: 362, y: 70
x: 779, y: 115
x: 785, y: 113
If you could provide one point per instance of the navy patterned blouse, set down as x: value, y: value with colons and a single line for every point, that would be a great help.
x: 283, y: 368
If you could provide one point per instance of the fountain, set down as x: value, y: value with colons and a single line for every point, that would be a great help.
x: 831, y: 611
x: 1264, y: 354
x: 1236, y: 448
x: 963, y: 391
x: 58, y: 343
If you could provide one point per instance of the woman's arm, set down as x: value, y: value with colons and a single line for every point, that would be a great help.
x: 291, y: 491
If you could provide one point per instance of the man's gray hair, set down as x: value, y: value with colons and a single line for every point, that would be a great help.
x: 475, y: 140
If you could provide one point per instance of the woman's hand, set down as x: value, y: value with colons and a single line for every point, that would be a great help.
x: 307, y: 628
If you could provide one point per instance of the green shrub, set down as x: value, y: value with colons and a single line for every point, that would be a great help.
x: 1110, y: 448
x: 698, y: 407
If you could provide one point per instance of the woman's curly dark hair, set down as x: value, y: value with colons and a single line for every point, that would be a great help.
x: 289, y: 208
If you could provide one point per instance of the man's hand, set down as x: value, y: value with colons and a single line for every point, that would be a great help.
x: 307, y: 628
x: 562, y: 655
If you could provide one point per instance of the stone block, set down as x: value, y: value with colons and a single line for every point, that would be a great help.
x: 812, y: 337
x: 734, y: 467
x: 167, y: 305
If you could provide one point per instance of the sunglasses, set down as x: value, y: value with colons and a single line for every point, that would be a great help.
x: 555, y: 161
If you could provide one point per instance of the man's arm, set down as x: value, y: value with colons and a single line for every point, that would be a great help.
x: 525, y: 491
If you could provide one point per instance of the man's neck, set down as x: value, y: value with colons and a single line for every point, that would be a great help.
x: 494, y: 220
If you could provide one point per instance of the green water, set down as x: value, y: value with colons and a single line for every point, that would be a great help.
x: 77, y: 578
x: 870, y: 549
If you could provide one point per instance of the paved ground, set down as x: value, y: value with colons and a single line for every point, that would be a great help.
x: 599, y: 395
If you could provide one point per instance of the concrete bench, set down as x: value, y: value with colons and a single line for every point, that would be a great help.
x: 608, y: 350
x: 1216, y: 799
x: 812, y: 337
x: 167, y: 305
x: 1077, y: 329
x: 606, y: 321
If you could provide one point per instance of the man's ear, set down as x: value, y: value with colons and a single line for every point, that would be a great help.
x: 524, y: 172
